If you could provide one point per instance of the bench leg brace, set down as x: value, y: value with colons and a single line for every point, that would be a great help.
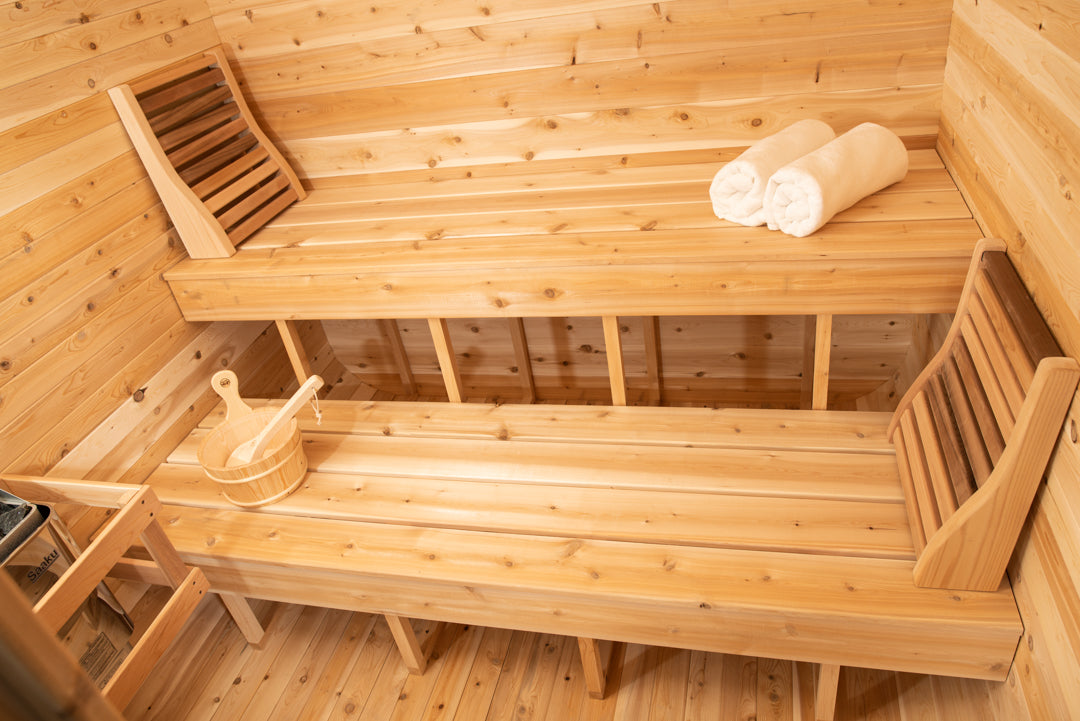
x: 298, y: 357
x: 828, y: 681
x: 245, y: 619
x: 408, y: 645
x: 595, y: 657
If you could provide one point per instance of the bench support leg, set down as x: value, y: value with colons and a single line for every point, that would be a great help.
x: 521, y: 358
x: 444, y: 349
x: 407, y: 643
x: 828, y: 681
x: 240, y: 610
x: 613, y: 345
x: 817, y: 352
x: 595, y: 656
x: 654, y: 363
x: 290, y: 336
x: 392, y: 333
x: 822, y: 356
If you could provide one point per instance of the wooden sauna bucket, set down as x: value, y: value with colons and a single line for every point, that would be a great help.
x: 274, y: 476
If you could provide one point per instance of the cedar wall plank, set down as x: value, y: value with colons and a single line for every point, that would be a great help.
x: 459, y: 83
x: 910, y: 111
x: 74, y: 43
x: 323, y: 64
x: 85, y: 318
x: 640, y: 82
x: 1010, y: 135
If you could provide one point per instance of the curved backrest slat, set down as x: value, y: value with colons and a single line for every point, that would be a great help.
x: 217, y: 173
x: 974, y: 432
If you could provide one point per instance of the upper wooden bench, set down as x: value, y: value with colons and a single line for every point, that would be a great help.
x: 842, y: 538
x: 564, y: 237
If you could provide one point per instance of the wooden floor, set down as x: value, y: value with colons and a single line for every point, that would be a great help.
x: 318, y: 664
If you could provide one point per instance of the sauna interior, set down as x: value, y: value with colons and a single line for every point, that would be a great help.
x: 448, y: 125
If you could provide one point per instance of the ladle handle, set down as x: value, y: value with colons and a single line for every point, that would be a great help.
x: 310, y: 386
x: 226, y: 385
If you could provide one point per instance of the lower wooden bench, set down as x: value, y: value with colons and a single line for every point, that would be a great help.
x: 839, y: 538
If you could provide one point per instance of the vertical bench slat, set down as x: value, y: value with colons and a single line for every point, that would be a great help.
x: 984, y: 369
x: 1037, y: 339
x: 1000, y: 364
x: 944, y: 497
x: 903, y: 463
x: 985, y: 420
x: 974, y: 446
x: 952, y: 445
x: 1019, y: 360
x: 972, y: 551
x: 984, y: 413
x: 920, y: 475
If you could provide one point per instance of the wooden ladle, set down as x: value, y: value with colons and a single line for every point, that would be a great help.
x: 252, y: 450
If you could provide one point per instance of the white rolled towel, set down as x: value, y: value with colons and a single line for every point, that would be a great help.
x: 738, y: 190
x: 803, y: 195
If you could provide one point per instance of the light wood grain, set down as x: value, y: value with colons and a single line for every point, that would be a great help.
x: 751, y: 429
x: 448, y: 545
x: 614, y: 353
x: 245, y: 619
x: 407, y: 643
x: 392, y: 334
x: 1005, y: 504
x: 136, y: 666
x: 766, y: 288
x: 298, y: 355
x: 512, y: 663
x: 828, y: 678
x: 444, y: 349
x: 822, y: 361
x: 521, y: 355
x: 62, y: 600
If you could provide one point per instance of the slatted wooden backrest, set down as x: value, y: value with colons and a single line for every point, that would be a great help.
x: 218, y: 175
x: 975, y: 431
